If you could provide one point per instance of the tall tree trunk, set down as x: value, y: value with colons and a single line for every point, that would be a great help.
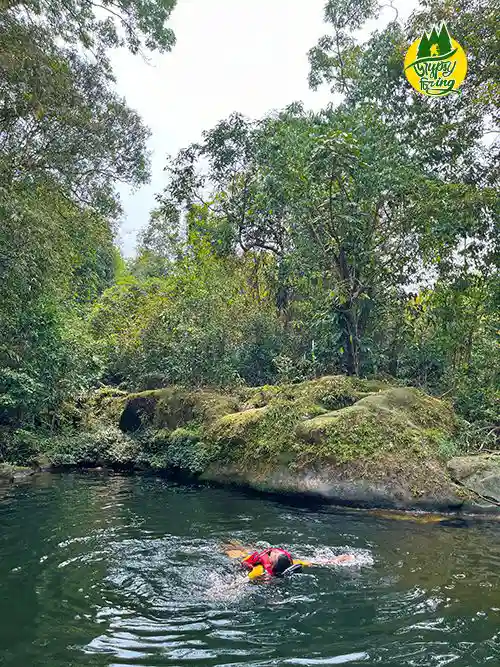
x: 283, y: 294
x: 351, y: 340
x: 349, y: 312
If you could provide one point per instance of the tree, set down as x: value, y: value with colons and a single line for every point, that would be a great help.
x: 160, y: 244
x: 61, y: 123
x: 97, y: 26
x: 66, y: 138
x: 335, y: 193
x: 448, y: 137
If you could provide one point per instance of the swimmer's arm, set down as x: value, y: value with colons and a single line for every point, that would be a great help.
x: 251, y: 561
x: 236, y: 551
x: 344, y: 558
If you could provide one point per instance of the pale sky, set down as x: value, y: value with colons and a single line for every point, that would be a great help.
x: 231, y: 55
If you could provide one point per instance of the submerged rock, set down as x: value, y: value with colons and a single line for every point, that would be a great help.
x: 12, y: 473
x: 6, y: 473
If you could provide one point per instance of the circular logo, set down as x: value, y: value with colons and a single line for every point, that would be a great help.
x: 436, y: 64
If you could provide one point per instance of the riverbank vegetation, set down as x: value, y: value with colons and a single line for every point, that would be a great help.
x: 360, y: 240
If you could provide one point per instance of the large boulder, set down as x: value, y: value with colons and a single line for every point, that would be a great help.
x: 173, y: 407
x: 389, y: 484
x: 348, y: 442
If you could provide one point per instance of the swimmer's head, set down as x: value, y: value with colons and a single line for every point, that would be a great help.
x: 279, y: 561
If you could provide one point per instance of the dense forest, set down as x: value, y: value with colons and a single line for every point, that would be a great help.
x: 362, y: 239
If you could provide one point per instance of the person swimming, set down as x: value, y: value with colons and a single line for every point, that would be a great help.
x: 276, y: 562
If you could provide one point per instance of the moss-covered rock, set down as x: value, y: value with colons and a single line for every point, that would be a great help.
x: 236, y: 428
x: 382, y: 448
x: 329, y: 393
x: 396, y: 420
x: 173, y: 407
x: 350, y: 440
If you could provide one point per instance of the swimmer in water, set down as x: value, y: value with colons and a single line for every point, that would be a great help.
x: 276, y: 562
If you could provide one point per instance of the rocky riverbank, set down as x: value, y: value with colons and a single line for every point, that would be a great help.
x: 349, y: 441
x: 10, y: 473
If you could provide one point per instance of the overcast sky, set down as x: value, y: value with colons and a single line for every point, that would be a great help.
x: 231, y: 55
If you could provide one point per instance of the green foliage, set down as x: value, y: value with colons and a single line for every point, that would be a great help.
x: 66, y: 138
x: 185, y: 452
x: 136, y: 24
x: 361, y: 239
x: 104, y: 446
x: 22, y: 447
x: 448, y: 448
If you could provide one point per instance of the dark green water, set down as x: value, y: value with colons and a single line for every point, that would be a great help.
x: 98, y: 570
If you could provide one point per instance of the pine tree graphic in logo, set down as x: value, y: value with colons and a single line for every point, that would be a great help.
x: 436, y: 64
x: 435, y: 45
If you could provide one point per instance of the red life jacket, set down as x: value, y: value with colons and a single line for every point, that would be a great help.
x: 264, y: 560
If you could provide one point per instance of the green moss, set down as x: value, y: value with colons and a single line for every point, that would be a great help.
x: 392, y: 420
x: 207, y: 406
x: 237, y: 427
x: 103, y: 404
x: 258, y: 397
x: 334, y: 391
x: 330, y: 392
x: 268, y: 432
x: 447, y: 448
x: 418, y: 408
x: 295, y: 426
x: 175, y: 406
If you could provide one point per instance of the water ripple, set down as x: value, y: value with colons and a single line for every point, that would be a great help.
x: 116, y: 570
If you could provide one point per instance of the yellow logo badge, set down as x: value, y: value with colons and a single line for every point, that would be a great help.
x: 436, y: 64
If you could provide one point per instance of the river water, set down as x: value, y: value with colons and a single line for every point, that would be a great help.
x: 127, y: 570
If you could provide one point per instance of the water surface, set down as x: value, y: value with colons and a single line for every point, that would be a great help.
x: 123, y: 570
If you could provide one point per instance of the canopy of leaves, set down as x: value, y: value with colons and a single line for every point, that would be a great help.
x: 98, y: 26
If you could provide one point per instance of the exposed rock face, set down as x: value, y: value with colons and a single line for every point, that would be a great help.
x: 138, y: 412
x: 388, y: 487
x: 480, y: 474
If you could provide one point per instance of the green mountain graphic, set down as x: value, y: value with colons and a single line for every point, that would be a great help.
x: 435, y: 44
